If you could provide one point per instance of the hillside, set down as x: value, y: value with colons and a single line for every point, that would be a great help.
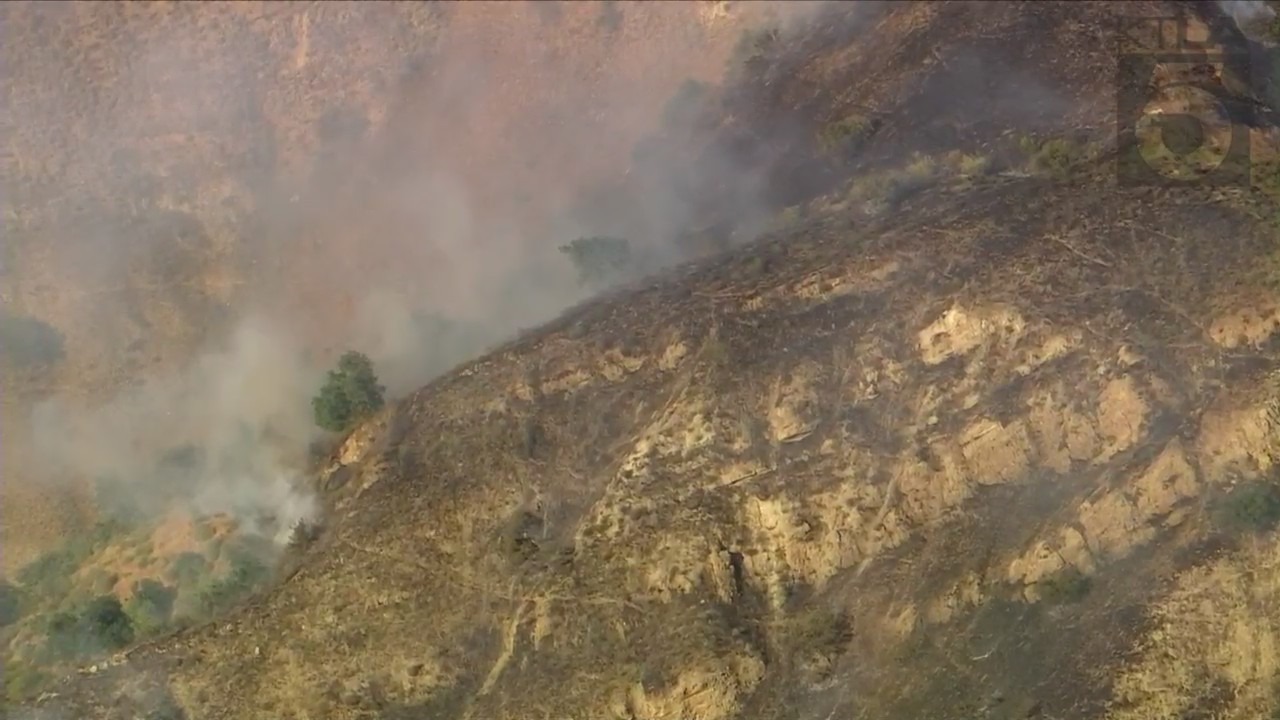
x: 972, y: 429
x: 171, y: 167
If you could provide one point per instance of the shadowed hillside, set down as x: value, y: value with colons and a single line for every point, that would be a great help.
x: 948, y: 420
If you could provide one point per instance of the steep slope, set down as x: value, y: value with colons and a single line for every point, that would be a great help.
x: 168, y: 166
x: 853, y: 483
x: 948, y: 442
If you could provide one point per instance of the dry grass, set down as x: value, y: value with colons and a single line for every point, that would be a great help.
x: 1216, y: 649
x: 866, y: 417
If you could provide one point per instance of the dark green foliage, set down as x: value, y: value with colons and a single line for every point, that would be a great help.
x: 846, y: 135
x: 49, y: 576
x: 1067, y: 586
x: 10, y: 603
x: 350, y: 394
x: 303, y: 534
x: 26, y: 342
x: 151, y: 606
x: 22, y: 680
x: 247, y: 574
x: 1056, y: 157
x: 1250, y: 507
x: 599, y: 259
x: 187, y: 568
x: 101, y: 625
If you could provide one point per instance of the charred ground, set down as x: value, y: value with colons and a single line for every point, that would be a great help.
x: 965, y: 434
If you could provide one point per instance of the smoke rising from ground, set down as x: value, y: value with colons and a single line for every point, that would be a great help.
x: 226, y: 434
x: 419, y: 227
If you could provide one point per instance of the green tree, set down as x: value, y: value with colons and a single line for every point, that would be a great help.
x: 247, y: 574
x: 100, y: 625
x: 599, y: 259
x: 151, y: 606
x: 350, y: 394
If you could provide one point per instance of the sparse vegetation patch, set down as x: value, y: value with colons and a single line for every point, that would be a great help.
x: 1064, y: 587
x: 845, y: 135
x: 101, y: 625
x: 599, y: 259
x: 1250, y: 507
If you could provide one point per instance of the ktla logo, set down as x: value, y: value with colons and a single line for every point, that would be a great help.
x: 1176, y: 118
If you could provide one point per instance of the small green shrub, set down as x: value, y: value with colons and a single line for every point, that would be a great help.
x: 969, y: 166
x: 101, y: 625
x: 1250, y: 507
x: 845, y: 135
x: 350, y: 394
x: 1066, y: 586
x: 26, y: 342
x: 247, y: 574
x: 11, y: 603
x: 22, y: 680
x: 303, y: 534
x: 48, y: 577
x: 1055, y: 156
x: 1266, y: 177
x: 151, y: 606
x: 599, y: 259
x: 187, y: 568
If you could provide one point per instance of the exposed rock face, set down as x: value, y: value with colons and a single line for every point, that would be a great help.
x: 965, y: 458
x: 773, y: 504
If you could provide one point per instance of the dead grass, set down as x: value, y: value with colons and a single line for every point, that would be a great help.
x: 1216, y: 649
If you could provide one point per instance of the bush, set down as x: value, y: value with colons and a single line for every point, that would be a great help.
x: 846, y: 135
x: 187, y: 568
x: 26, y: 342
x: 101, y: 625
x: 1251, y: 507
x: 598, y: 259
x: 49, y: 576
x: 1067, y: 586
x: 246, y: 576
x: 10, y: 603
x: 350, y: 394
x: 22, y: 681
x: 303, y: 534
x: 1056, y: 157
x: 151, y: 606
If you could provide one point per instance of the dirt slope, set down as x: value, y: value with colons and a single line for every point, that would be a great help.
x: 166, y: 163
x: 991, y: 445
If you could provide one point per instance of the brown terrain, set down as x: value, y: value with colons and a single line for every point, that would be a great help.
x: 192, y: 142
x: 974, y: 429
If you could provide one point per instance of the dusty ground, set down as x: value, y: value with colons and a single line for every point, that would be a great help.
x: 962, y: 451
x: 166, y: 164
